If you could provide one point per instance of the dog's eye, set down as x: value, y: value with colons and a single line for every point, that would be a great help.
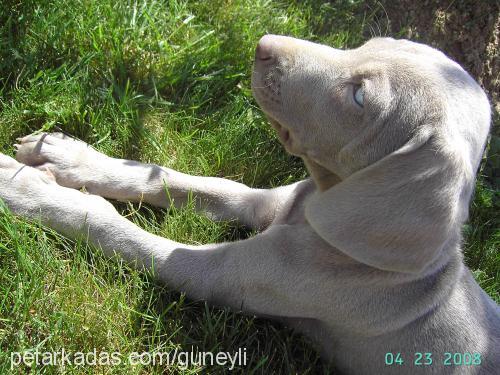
x: 359, y: 95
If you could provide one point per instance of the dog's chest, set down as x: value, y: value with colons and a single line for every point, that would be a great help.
x: 292, y: 211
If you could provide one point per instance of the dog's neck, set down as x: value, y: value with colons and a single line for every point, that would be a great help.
x: 322, y: 177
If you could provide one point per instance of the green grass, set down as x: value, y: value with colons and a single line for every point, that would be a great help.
x: 165, y: 82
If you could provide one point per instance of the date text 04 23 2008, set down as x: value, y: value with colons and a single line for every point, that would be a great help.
x: 428, y: 359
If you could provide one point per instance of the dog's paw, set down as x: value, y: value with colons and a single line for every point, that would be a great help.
x: 7, y: 162
x: 34, y: 194
x: 23, y: 188
x: 73, y: 163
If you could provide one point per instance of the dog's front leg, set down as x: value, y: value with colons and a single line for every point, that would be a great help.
x: 250, y: 275
x: 75, y: 164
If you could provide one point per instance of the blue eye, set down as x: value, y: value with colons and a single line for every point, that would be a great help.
x: 359, y: 95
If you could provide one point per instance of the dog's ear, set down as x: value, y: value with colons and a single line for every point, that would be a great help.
x: 397, y: 213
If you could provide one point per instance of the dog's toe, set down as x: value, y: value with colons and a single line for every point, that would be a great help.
x: 32, y: 153
x: 40, y: 137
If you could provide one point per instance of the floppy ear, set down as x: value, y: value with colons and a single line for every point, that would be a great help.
x: 397, y: 213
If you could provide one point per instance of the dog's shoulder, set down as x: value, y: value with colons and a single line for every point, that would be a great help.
x: 291, y: 210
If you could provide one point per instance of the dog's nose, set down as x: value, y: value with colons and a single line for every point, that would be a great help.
x: 264, y: 51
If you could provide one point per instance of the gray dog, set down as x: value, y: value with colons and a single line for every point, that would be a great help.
x: 364, y: 257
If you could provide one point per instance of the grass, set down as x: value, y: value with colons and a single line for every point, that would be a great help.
x: 164, y: 82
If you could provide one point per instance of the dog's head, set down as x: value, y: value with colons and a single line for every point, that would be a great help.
x: 396, y: 131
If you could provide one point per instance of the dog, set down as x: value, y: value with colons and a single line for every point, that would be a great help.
x: 364, y: 257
